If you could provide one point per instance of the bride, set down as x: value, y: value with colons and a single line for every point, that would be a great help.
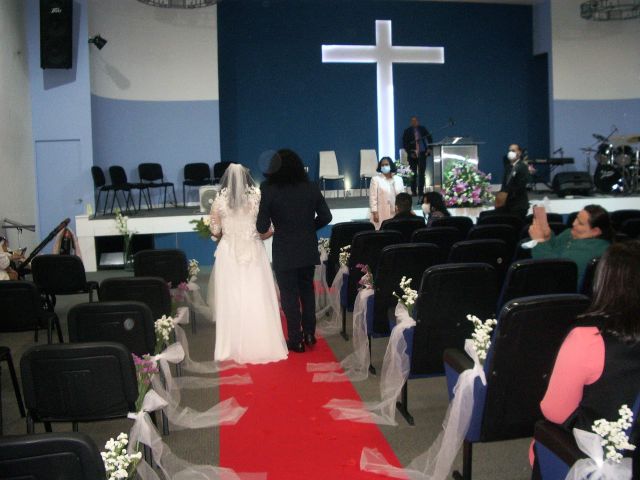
x: 248, y: 326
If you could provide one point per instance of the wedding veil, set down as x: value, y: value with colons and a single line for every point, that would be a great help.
x: 237, y: 180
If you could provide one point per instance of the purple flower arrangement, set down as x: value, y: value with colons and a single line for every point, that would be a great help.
x: 466, y: 186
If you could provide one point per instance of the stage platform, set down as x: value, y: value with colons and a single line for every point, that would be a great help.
x: 171, y: 227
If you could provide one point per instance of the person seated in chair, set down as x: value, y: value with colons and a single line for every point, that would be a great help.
x: 588, y: 238
x: 7, y: 261
x: 433, y: 207
x: 403, y: 208
x: 597, y: 369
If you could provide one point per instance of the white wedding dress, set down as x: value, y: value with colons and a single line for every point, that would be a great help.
x: 247, y: 315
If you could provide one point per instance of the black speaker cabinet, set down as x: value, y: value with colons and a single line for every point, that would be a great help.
x: 572, y: 183
x: 56, y: 33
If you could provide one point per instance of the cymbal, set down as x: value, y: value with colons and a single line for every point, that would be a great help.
x: 625, y: 139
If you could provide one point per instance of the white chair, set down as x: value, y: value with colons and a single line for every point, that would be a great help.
x: 368, y: 166
x: 329, y: 170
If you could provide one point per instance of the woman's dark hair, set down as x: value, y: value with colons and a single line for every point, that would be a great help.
x: 615, y: 291
x: 599, y: 218
x: 285, y: 168
x: 392, y: 164
x: 436, y: 201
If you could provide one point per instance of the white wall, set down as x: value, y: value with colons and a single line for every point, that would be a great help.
x: 153, y: 53
x: 17, y: 171
x: 593, y: 60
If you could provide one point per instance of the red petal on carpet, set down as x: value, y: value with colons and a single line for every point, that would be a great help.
x: 286, y: 432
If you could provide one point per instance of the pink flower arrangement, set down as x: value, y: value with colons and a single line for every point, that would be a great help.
x: 367, y: 278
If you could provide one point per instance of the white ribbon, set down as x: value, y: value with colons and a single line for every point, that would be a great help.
x: 395, y: 371
x: 197, y: 303
x: 172, y: 467
x: 356, y: 364
x: 436, y: 462
x: 321, y: 290
x: 595, y: 467
x: 333, y: 324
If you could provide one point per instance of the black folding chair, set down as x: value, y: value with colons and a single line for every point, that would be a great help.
x: 61, y: 275
x: 342, y: 235
x: 444, y: 237
x: 50, y: 456
x: 21, y: 307
x: 100, y: 186
x: 129, y: 323
x: 618, y: 217
x: 121, y: 184
x: 631, y: 227
x: 441, y: 317
x: 195, y: 175
x: 497, y: 231
x: 152, y: 176
x: 463, y: 224
x: 406, y: 226
x: 5, y: 356
x: 519, y: 362
x: 78, y: 382
x: 396, y: 261
x: 494, y: 252
x: 168, y: 264
x: 545, y: 276
x: 365, y: 250
x: 586, y: 288
x: 152, y: 291
x: 218, y: 170
x: 502, y: 219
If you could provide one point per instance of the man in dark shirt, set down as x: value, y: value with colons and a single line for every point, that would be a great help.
x: 416, y: 140
x: 515, y: 183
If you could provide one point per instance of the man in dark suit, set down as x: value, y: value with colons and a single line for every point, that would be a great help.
x: 416, y: 140
x: 296, y: 209
x: 515, y: 183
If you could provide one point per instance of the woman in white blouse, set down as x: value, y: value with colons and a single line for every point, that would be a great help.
x: 382, y: 192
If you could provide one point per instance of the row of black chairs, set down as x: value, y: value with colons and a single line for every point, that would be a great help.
x: 151, y: 176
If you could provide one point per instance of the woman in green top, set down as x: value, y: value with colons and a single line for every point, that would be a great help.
x: 589, y: 237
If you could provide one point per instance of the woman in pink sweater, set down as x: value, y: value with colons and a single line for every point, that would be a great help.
x: 597, y: 369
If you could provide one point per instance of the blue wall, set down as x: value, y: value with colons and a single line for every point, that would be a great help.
x: 275, y: 92
x: 61, y: 116
x: 171, y: 133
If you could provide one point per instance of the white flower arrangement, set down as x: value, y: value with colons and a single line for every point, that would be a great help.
x: 117, y: 463
x: 409, y: 295
x: 164, y: 327
x: 345, y: 253
x: 194, y: 269
x: 323, y: 244
x: 481, y: 336
x: 122, y: 224
x: 614, y: 439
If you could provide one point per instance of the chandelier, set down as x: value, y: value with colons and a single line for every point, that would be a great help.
x: 179, y: 3
x: 605, y: 10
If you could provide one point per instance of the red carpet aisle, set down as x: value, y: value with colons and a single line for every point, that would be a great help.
x: 287, y: 433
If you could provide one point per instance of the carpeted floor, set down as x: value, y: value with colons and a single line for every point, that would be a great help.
x: 276, y: 395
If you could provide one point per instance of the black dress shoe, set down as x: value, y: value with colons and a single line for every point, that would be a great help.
x: 297, y: 347
x: 310, y: 339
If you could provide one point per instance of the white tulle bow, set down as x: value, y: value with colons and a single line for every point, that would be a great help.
x: 595, y: 467
x: 436, y: 462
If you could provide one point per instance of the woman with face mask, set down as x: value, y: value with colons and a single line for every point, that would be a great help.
x: 433, y: 207
x: 382, y: 192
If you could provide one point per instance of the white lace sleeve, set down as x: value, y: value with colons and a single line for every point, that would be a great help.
x: 216, y: 222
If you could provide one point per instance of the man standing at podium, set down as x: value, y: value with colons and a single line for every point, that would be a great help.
x: 416, y: 140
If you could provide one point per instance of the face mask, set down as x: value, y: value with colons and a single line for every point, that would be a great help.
x: 512, y: 155
x: 385, y: 169
x: 426, y: 208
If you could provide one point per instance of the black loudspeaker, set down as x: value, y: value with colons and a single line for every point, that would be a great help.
x: 572, y: 183
x: 56, y: 33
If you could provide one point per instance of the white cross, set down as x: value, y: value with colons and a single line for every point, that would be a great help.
x: 384, y: 55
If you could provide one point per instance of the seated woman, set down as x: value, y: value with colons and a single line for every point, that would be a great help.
x: 588, y: 238
x: 597, y: 369
x: 7, y: 259
x: 433, y: 207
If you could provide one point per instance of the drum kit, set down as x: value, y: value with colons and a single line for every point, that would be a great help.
x: 617, y: 162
